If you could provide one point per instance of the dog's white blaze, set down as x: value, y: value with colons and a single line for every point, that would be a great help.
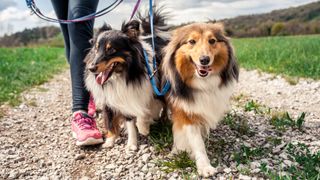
x: 210, y: 100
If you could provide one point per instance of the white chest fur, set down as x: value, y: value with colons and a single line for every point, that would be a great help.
x: 210, y: 100
x: 129, y: 99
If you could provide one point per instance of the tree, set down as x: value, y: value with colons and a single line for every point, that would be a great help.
x: 277, y: 28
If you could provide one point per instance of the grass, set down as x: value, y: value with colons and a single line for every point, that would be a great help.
x: 296, y: 56
x: 307, y: 167
x: 246, y: 154
x: 309, y: 163
x: 238, y: 124
x: 282, y: 121
x: 252, y: 106
x: 161, y: 136
x: 180, y: 161
x: 22, y: 68
x: 275, y: 141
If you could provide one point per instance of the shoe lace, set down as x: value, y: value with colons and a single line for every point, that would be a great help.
x: 85, y: 121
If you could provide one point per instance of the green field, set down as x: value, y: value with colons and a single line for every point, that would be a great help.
x: 22, y: 68
x: 292, y: 56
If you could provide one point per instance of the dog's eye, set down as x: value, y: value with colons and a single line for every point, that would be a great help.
x: 212, y: 41
x: 111, y: 50
x: 192, y: 42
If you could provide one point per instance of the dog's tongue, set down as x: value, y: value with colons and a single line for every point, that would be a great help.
x: 102, y: 77
x: 204, y: 69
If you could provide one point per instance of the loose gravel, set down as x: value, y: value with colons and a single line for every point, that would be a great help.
x: 36, y: 141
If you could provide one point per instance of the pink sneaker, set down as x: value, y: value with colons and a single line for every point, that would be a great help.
x: 91, y: 106
x: 85, y: 130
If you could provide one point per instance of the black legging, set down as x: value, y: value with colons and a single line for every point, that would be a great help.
x: 76, y: 40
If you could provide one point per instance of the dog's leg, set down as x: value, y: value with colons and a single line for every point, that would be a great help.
x: 143, y: 125
x: 110, y: 139
x: 198, y: 150
x: 112, y: 126
x: 132, y: 135
x: 156, y: 108
x: 188, y: 137
x: 180, y: 141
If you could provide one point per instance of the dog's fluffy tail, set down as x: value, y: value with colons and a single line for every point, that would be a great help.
x: 159, y: 21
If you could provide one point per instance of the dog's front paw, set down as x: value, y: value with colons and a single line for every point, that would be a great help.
x: 143, y: 129
x: 109, y: 142
x: 206, y: 171
x: 131, y: 148
x: 174, y: 151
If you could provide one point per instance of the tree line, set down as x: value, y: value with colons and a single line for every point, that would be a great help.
x: 29, y: 36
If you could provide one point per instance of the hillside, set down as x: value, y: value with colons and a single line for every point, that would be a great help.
x: 303, y: 19
x: 299, y: 20
x: 29, y: 36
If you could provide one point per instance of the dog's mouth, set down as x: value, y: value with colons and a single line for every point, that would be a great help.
x: 203, y: 71
x: 103, y: 76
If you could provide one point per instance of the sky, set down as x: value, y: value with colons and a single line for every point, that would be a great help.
x: 15, y: 16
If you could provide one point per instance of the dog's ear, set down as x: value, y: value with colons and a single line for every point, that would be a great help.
x: 131, y: 29
x: 232, y: 68
x: 103, y: 28
x: 170, y: 71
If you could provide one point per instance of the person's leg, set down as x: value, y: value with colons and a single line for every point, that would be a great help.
x: 83, y: 125
x: 61, y: 9
x: 80, y: 34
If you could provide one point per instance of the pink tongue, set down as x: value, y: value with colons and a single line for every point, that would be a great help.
x: 102, y: 77
x: 203, y: 71
x: 99, y: 78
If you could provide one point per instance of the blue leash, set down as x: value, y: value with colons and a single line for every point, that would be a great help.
x: 150, y: 73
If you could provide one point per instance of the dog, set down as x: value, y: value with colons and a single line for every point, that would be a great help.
x: 200, y: 64
x: 117, y: 77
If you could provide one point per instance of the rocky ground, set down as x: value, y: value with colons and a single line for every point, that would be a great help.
x: 36, y: 141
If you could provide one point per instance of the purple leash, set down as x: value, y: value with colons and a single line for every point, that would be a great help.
x: 136, y: 7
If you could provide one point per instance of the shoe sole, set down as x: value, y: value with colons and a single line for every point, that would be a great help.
x: 88, y: 141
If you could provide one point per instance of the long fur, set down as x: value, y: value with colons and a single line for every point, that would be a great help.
x: 128, y: 93
x: 198, y: 104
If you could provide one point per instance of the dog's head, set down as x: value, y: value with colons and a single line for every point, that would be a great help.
x: 199, y: 50
x: 115, y: 51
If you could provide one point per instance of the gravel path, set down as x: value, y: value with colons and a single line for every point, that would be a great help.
x: 36, y: 142
x: 276, y: 92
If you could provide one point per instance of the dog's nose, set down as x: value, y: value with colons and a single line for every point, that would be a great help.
x: 204, y: 60
x: 93, y: 68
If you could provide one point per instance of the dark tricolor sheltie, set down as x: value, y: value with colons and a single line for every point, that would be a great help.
x: 117, y: 77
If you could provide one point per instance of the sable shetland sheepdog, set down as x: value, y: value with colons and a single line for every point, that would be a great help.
x: 117, y: 77
x: 200, y: 64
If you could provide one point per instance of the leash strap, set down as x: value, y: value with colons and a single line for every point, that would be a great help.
x: 152, y: 79
x: 154, y: 62
x: 31, y: 4
x: 135, y: 9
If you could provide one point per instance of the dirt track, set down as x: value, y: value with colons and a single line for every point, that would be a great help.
x: 35, y: 137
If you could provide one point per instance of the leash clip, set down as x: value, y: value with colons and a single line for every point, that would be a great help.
x: 154, y: 72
